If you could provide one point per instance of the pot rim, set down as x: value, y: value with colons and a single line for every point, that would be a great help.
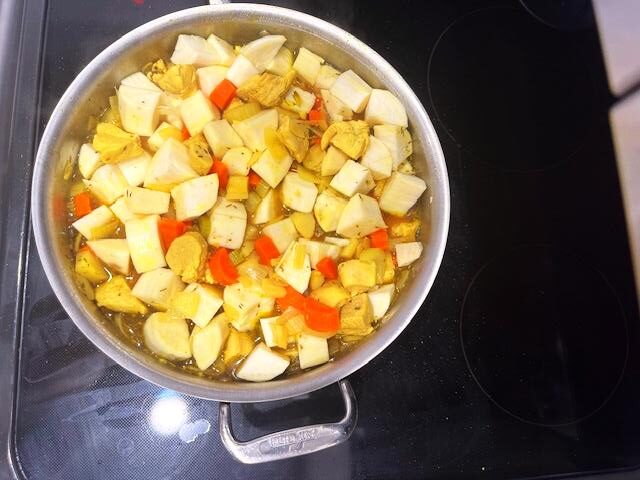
x: 319, y: 377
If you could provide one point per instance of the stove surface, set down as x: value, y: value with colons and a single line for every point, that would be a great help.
x: 522, y: 362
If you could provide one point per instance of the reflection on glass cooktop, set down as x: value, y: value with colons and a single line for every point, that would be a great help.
x: 523, y: 360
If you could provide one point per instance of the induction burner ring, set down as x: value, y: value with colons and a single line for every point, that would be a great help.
x: 544, y: 335
x: 562, y: 15
x: 511, y: 91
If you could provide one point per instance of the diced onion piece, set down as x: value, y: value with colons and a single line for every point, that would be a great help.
x: 274, y: 332
x: 299, y: 101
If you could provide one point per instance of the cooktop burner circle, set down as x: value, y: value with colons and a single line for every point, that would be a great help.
x: 569, y: 16
x: 544, y: 335
x: 509, y: 90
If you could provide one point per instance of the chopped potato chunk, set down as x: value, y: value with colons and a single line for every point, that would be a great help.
x: 331, y: 294
x: 167, y: 336
x: 207, y: 342
x: 239, y: 345
x: 357, y: 273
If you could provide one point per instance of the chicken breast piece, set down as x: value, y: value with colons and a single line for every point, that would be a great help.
x: 351, y: 137
x: 267, y: 89
x: 187, y: 256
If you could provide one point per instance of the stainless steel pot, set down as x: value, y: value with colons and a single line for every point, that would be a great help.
x: 68, y: 127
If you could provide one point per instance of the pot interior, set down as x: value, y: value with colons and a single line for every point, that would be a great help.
x: 87, y: 97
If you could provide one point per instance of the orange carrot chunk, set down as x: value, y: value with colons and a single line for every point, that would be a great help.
x: 316, y: 115
x: 291, y: 299
x: 222, y: 268
x: 223, y: 94
x: 327, y: 267
x: 169, y: 230
x: 254, y: 179
x: 82, y: 204
x: 222, y: 171
x: 185, y: 133
x: 321, y: 317
x: 266, y: 249
x: 380, y: 239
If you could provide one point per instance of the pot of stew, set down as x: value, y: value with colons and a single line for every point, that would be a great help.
x: 242, y: 203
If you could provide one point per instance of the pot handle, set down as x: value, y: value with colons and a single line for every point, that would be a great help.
x: 295, y: 441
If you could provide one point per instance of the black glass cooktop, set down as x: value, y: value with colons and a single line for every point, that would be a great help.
x: 524, y: 360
